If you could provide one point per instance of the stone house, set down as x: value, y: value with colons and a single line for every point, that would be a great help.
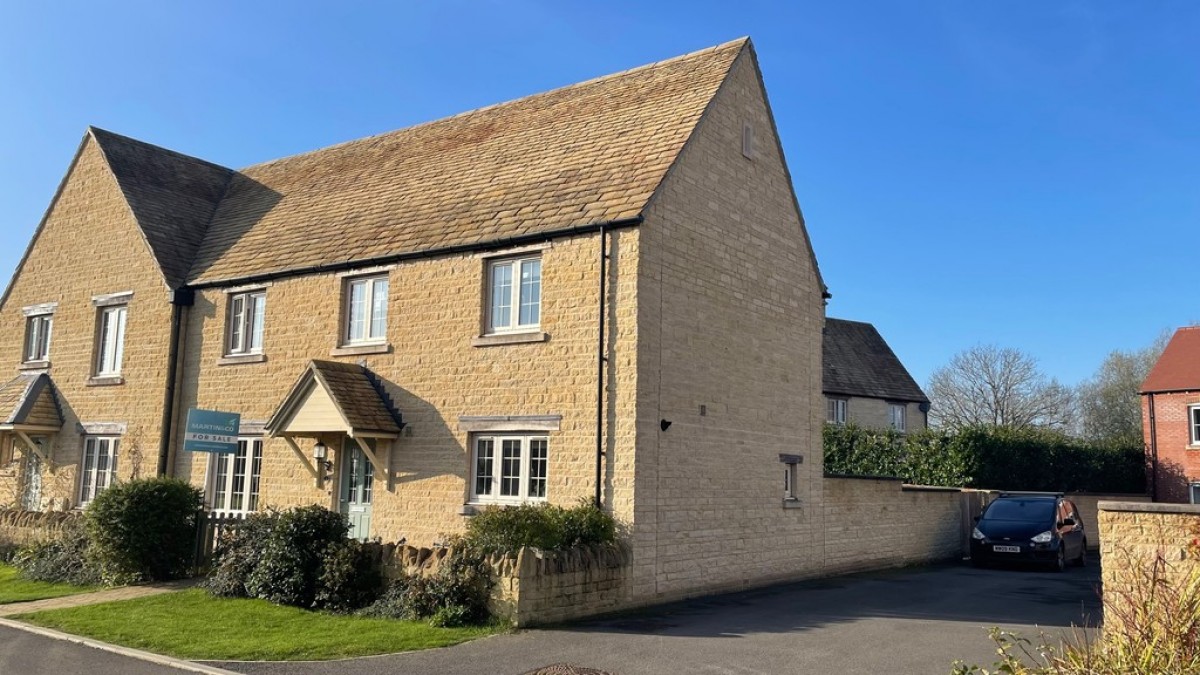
x: 865, y: 383
x: 1171, y: 420
x: 603, y: 292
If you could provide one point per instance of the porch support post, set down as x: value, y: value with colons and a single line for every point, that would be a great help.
x: 379, y: 466
x: 36, y: 450
x: 318, y: 478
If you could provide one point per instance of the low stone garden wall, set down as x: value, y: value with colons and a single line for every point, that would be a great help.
x: 18, y: 528
x: 532, y: 587
x: 1135, y: 535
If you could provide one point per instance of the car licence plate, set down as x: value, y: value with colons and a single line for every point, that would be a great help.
x: 1006, y: 549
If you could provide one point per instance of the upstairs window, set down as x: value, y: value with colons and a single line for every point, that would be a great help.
x: 110, y: 344
x: 1194, y: 423
x: 898, y: 416
x: 37, y: 337
x: 366, y: 310
x: 836, y: 410
x: 247, y: 315
x: 514, y: 294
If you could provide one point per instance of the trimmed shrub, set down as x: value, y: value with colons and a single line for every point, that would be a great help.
x: 237, y: 554
x: 289, y: 567
x: 544, y: 526
x: 144, y: 529
x: 63, y: 559
x: 348, y: 579
x: 456, y: 595
x: 986, y: 457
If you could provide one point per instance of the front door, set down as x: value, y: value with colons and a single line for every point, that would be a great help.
x: 357, y: 481
x: 31, y: 494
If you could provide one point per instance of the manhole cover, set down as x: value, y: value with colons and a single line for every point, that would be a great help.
x: 566, y: 669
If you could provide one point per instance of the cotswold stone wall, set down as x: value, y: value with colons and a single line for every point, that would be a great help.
x: 533, y: 587
x: 1134, y: 535
x: 876, y: 523
x: 18, y: 528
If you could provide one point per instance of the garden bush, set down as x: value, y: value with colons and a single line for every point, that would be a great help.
x: 289, y: 567
x: 455, y: 595
x: 348, y: 578
x: 143, y: 529
x: 237, y: 554
x: 986, y: 457
x: 63, y: 559
x: 544, y: 526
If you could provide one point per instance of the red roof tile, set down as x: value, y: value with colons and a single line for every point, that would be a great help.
x: 1178, y: 369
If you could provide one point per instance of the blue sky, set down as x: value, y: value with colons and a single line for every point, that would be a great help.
x: 1021, y: 173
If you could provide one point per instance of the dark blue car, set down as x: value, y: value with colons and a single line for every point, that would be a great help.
x: 1043, y: 529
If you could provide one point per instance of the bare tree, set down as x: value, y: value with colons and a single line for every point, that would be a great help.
x: 1109, y: 405
x: 997, y: 386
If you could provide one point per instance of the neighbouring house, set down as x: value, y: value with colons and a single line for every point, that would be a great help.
x: 603, y: 291
x: 865, y: 383
x: 1171, y: 420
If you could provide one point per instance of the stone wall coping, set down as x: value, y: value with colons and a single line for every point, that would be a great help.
x: 909, y: 487
x: 1142, y: 507
x: 851, y: 476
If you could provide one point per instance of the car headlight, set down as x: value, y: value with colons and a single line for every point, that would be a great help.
x: 976, y: 534
x: 1043, y: 538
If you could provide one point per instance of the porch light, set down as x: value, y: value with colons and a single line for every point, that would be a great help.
x: 320, y: 451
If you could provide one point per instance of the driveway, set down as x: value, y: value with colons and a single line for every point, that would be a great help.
x: 31, y: 654
x: 902, y: 621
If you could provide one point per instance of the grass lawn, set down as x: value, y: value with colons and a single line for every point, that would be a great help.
x: 194, y: 625
x: 15, y: 589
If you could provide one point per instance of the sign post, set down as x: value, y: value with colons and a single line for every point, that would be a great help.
x: 211, y: 431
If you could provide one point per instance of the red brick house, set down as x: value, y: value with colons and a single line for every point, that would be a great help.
x: 1171, y: 419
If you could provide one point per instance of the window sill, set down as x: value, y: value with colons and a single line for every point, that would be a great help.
x: 509, y: 339
x: 105, y: 381
x: 792, y: 503
x: 34, y: 365
x: 358, y: 350
x: 236, y: 359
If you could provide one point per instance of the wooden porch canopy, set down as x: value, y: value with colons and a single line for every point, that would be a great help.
x: 29, y: 406
x: 338, y: 398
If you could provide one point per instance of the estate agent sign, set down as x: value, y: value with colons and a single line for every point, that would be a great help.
x: 211, y: 431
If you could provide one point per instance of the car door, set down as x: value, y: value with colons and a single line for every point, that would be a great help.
x: 1070, y: 533
x: 1078, y: 531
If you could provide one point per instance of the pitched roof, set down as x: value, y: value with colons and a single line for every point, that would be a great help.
x: 358, y: 395
x: 588, y: 153
x: 29, y: 399
x: 172, y: 197
x: 858, y: 362
x: 1178, y: 369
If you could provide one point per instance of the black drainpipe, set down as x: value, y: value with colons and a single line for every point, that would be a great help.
x: 180, y: 298
x: 600, y: 359
x: 1153, y: 451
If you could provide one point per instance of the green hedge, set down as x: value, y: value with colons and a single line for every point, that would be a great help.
x: 986, y: 457
x: 143, y: 530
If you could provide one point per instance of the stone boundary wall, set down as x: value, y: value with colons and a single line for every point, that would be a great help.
x: 1134, y: 535
x: 18, y: 528
x: 533, y: 586
x: 875, y: 523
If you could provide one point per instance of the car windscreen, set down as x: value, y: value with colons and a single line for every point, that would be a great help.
x: 1040, y: 510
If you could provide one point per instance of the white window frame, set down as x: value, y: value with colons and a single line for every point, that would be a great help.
x: 836, y: 410
x: 898, y: 416
x: 514, y: 324
x: 493, y: 496
x: 222, y: 468
x: 38, y: 330
x: 246, y: 322
x: 371, y: 285
x: 110, y: 339
x: 93, y: 481
x: 1194, y: 424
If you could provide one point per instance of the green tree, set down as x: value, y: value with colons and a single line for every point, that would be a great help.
x: 1109, y: 405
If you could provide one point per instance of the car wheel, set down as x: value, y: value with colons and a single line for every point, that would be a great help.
x: 1060, y: 561
x: 1081, y: 561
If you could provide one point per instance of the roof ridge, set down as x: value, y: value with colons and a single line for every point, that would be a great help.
x: 739, y: 42
x: 93, y: 129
